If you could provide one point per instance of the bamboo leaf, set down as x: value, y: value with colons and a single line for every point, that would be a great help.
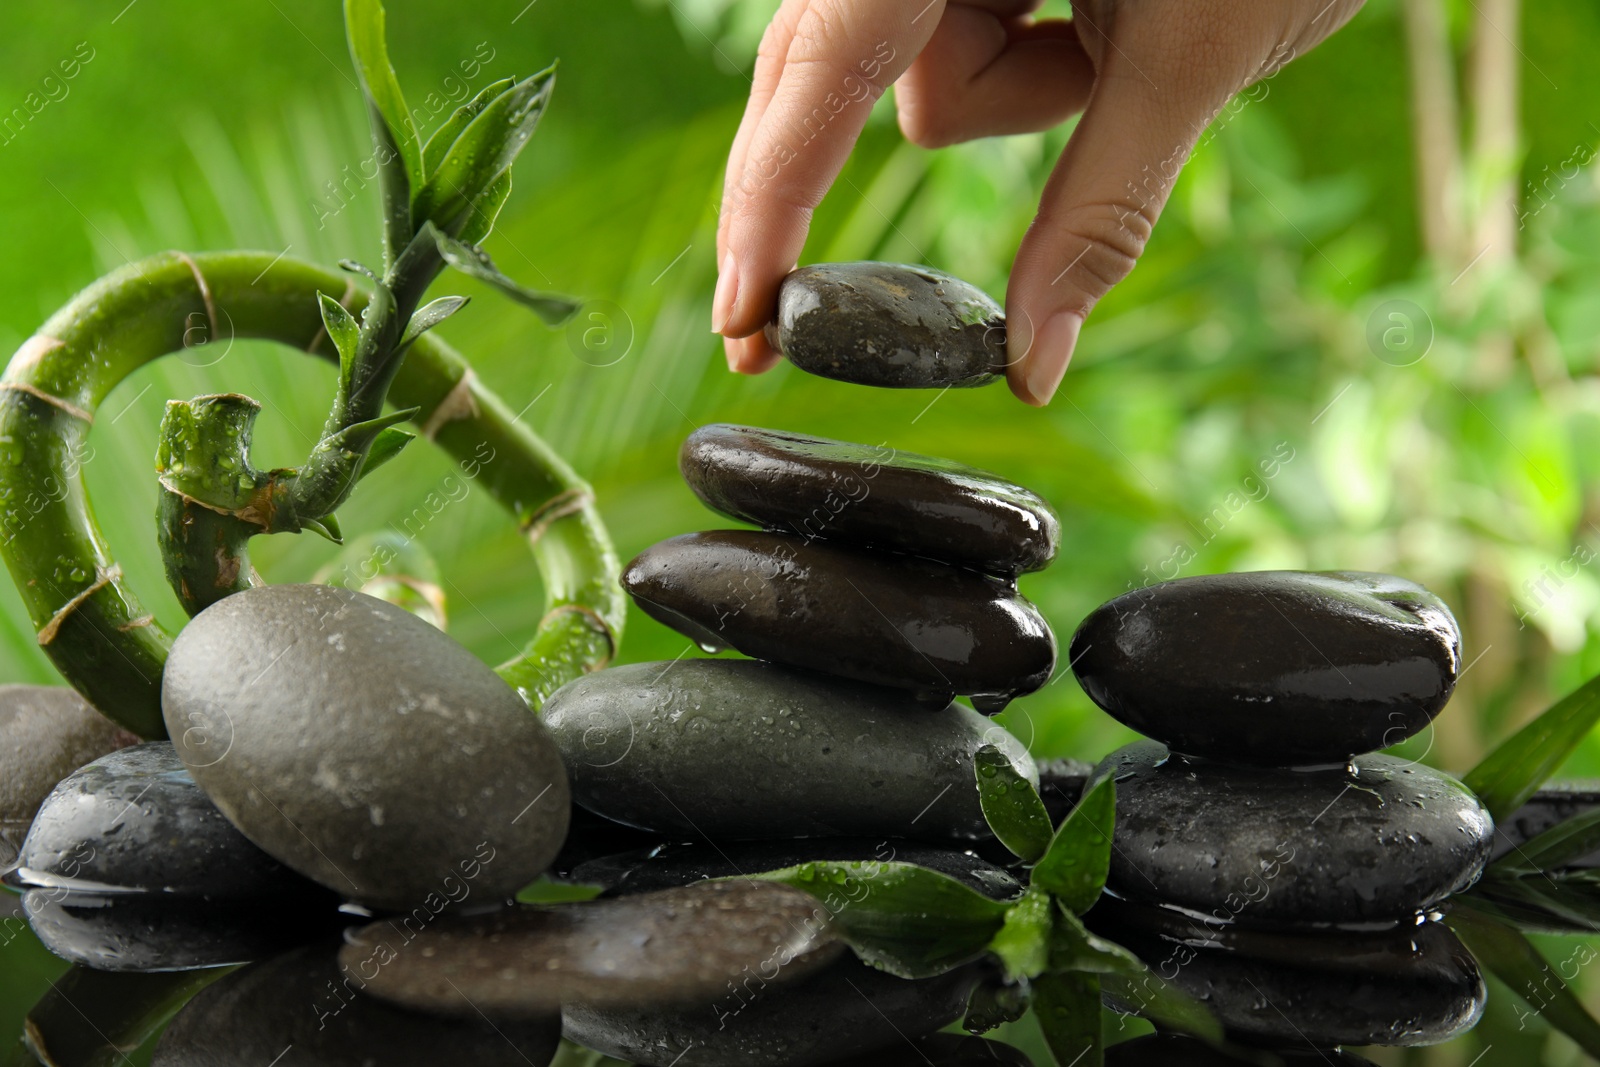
x: 389, y: 443
x: 1023, y: 942
x: 1011, y: 805
x: 1561, y: 904
x: 361, y: 436
x: 993, y: 1004
x: 369, y: 49
x: 327, y: 527
x: 343, y: 330
x: 444, y: 138
x: 1075, y: 866
x: 900, y: 918
x: 485, y: 210
x: 430, y: 315
x: 1067, y: 1006
x: 1123, y: 975
x: 475, y: 263
x: 394, y: 187
x: 1566, y: 842
x: 1512, y: 773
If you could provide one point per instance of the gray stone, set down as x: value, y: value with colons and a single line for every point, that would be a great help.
x: 814, y: 487
x: 364, y: 748
x: 1061, y: 783
x: 1256, y: 846
x: 889, y: 325
x: 739, y: 749
x: 1553, y: 804
x: 684, y: 946
x: 46, y: 733
x: 1171, y: 1050
x: 1276, y: 668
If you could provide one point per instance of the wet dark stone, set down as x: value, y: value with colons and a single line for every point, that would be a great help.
x: 1554, y: 803
x: 1173, y: 1050
x: 814, y: 487
x: 46, y: 733
x: 1263, y: 846
x: 739, y: 749
x: 1278, y: 668
x: 136, y: 820
x: 1061, y: 783
x: 314, y: 717
x: 168, y: 932
x: 666, y: 865
x: 846, y: 1010
x: 676, y: 946
x: 889, y: 325
x: 886, y: 619
x: 302, y: 1010
x: 593, y: 837
x: 941, y: 1050
x: 1415, y: 984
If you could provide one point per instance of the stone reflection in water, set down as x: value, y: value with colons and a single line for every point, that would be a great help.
x: 302, y: 1010
x: 1555, y: 803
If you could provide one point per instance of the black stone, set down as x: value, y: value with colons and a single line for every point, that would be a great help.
x: 890, y: 620
x: 1553, y: 804
x: 1260, y: 846
x: 364, y: 748
x: 1278, y: 668
x: 941, y: 1050
x: 814, y: 487
x: 740, y: 749
x: 1061, y: 783
x: 889, y: 325
x: 846, y: 1010
x: 1176, y: 1050
x: 302, y: 1010
x: 1415, y: 984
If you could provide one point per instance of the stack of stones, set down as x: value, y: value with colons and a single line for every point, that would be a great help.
x: 1265, y: 859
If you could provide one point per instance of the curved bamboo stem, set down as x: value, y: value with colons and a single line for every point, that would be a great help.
x: 92, y: 625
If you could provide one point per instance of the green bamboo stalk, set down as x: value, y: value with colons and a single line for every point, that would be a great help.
x: 96, y: 1018
x: 91, y: 624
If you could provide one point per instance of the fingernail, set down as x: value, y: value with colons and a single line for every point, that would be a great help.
x: 1049, y: 355
x: 727, y: 293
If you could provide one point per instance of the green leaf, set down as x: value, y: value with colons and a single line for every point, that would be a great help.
x: 1074, y: 868
x: 389, y: 443
x: 1023, y: 942
x: 483, y: 151
x: 1122, y: 974
x: 1567, y: 841
x: 362, y: 436
x: 993, y: 1003
x: 1567, y: 903
x: 1068, y: 1009
x: 475, y: 263
x: 364, y: 26
x: 485, y: 210
x: 444, y: 138
x: 327, y: 526
x: 546, y: 891
x: 1011, y: 805
x: 343, y: 330
x: 394, y: 188
x: 430, y: 315
x: 1074, y: 948
x: 1513, y: 959
x: 1512, y: 773
x: 900, y: 918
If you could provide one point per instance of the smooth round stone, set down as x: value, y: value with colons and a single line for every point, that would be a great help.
x: 46, y: 733
x: 663, y: 866
x: 1277, y: 668
x: 814, y: 487
x: 1553, y: 804
x: 675, y: 946
x: 739, y: 749
x: 364, y: 748
x: 1171, y: 1050
x: 1414, y: 984
x: 846, y: 1010
x: 1061, y: 783
x: 164, y: 932
x: 1261, y: 846
x: 303, y: 1010
x: 135, y: 820
x: 886, y: 619
x: 941, y: 1050
x: 889, y: 325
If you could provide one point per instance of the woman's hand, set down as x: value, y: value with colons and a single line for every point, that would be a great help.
x: 1148, y: 75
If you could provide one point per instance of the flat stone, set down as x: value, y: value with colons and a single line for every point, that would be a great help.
x: 303, y: 1010
x: 739, y: 749
x: 1280, y: 668
x: 665, y: 865
x: 941, y: 1050
x: 135, y: 820
x: 675, y: 946
x: 1554, y: 803
x: 46, y: 733
x: 813, y: 487
x: 889, y: 325
x: 364, y: 748
x: 1415, y: 984
x: 845, y: 1010
x: 1168, y: 1050
x: 1262, y: 846
x: 886, y: 619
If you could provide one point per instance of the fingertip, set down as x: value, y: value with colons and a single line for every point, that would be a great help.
x: 750, y: 355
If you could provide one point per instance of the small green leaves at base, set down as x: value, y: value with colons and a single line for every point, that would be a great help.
x: 1068, y: 1009
x: 362, y: 436
x: 389, y: 443
x: 1075, y: 866
x: 429, y: 316
x: 993, y: 1004
x: 475, y: 262
x: 1512, y: 773
x: 327, y: 526
x: 1023, y: 943
x: 1011, y: 805
x: 898, y: 917
x: 342, y: 328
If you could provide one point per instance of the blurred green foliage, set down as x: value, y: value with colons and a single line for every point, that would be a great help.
x: 1226, y: 409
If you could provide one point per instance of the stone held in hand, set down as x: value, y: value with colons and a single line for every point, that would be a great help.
x: 814, y: 487
x: 889, y: 620
x: 740, y: 749
x: 684, y: 946
x: 1275, y: 668
x: 364, y: 748
x: 1381, y: 841
x: 890, y: 325
x: 46, y: 733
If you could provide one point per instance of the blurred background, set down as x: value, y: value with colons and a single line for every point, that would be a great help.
x: 1378, y: 280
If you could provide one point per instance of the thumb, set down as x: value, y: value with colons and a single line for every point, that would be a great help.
x: 1096, y: 214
